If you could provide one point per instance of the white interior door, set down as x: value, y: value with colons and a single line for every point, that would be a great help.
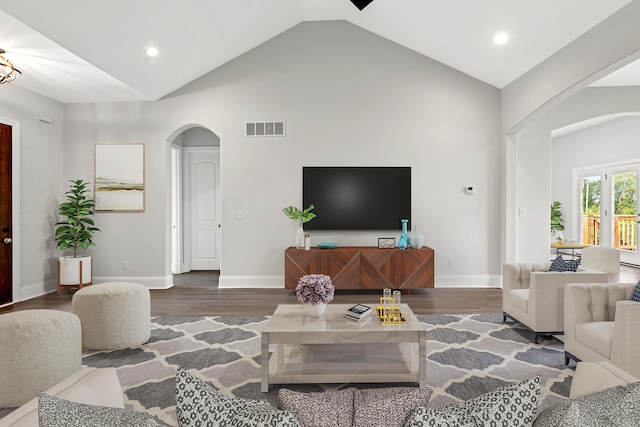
x: 176, y: 212
x: 204, y: 204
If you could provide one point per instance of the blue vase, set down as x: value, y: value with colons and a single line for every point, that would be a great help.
x: 403, y: 241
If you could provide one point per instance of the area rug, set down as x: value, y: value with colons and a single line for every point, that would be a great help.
x: 467, y: 355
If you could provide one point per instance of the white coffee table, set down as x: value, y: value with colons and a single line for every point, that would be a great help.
x: 333, y: 349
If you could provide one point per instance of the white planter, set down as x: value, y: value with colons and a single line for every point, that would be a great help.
x: 71, y: 270
x: 315, y: 310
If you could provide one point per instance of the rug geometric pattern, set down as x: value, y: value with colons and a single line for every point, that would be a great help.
x: 467, y: 355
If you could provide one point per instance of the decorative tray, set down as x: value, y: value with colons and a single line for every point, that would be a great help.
x: 393, y: 317
x: 327, y: 245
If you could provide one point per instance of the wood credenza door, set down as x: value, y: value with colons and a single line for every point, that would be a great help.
x: 362, y: 267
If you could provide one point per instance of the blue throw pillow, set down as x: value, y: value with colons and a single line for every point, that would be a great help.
x: 636, y: 293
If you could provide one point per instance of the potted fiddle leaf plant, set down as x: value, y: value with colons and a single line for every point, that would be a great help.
x: 75, y: 231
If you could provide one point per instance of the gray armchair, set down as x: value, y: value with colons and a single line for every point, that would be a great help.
x: 534, y: 296
x: 601, y: 324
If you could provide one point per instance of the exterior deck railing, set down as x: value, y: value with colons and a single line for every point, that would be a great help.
x: 624, y: 231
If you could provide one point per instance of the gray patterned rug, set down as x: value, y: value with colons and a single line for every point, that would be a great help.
x: 467, y: 355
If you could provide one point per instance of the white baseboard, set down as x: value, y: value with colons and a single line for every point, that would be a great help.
x: 35, y: 290
x: 267, y: 282
x: 39, y: 289
x: 151, y: 282
x: 467, y: 281
x: 229, y: 282
x: 277, y: 282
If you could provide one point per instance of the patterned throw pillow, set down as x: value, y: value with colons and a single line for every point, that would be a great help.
x: 330, y: 409
x: 427, y: 417
x: 198, y: 404
x: 617, y: 406
x: 56, y: 412
x: 573, y: 264
x: 513, y: 405
x: 559, y: 264
x: 390, y: 406
x: 636, y: 293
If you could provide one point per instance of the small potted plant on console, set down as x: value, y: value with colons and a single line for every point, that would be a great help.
x: 302, y: 216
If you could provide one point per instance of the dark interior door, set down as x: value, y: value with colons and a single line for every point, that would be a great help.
x: 5, y: 214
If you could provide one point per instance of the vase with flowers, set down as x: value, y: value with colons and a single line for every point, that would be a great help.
x: 315, y: 291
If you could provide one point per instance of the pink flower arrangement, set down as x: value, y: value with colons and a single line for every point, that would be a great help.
x: 315, y: 289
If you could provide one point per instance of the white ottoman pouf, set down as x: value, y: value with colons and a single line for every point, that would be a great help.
x: 38, y: 349
x: 113, y: 315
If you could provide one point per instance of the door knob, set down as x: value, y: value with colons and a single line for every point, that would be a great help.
x: 8, y: 240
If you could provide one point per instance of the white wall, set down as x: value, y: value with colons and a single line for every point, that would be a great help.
x: 349, y: 98
x: 41, y: 187
x: 534, y: 158
x: 197, y: 137
x: 609, y: 45
x: 606, y: 143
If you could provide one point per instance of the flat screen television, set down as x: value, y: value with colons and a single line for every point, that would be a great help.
x: 357, y: 198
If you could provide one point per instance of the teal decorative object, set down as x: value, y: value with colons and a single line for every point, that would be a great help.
x: 403, y: 242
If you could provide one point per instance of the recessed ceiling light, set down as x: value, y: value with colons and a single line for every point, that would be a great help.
x: 152, y: 51
x: 501, y: 38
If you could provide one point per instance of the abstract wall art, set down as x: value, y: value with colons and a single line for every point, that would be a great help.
x: 119, y: 177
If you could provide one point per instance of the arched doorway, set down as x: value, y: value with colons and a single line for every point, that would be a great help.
x: 195, y: 200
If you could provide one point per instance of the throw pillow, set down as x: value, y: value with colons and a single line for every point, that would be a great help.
x: 513, y: 405
x: 56, y: 412
x: 390, y: 406
x: 580, y: 415
x: 427, y: 417
x: 559, y: 264
x: 636, y: 293
x: 615, y: 406
x: 198, y: 404
x: 573, y: 264
x: 330, y: 409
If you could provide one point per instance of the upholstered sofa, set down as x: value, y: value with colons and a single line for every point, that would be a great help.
x: 101, y: 387
x: 591, y: 377
x: 601, y: 395
x: 534, y: 296
x: 601, y: 324
x: 95, y: 386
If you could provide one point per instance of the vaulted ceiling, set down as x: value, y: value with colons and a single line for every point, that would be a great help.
x: 94, y: 51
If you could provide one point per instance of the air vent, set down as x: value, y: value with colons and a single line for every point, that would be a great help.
x: 253, y: 129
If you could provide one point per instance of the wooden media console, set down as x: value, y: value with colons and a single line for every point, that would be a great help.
x: 362, y: 267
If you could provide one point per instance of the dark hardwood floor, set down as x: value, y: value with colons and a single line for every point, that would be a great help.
x: 197, y: 294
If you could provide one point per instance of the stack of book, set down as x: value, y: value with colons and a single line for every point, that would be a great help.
x: 358, y: 312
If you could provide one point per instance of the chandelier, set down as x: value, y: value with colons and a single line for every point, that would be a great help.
x: 8, y: 72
